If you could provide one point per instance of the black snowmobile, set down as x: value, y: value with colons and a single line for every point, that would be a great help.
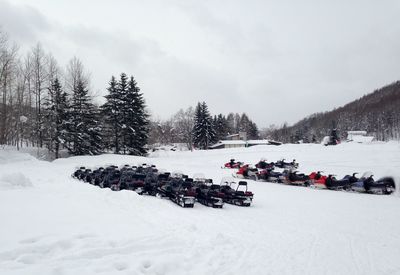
x: 286, y: 165
x: 292, y: 177
x: 84, y: 174
x: 263, y: 164
x: 179, y: 191
x: 344, y: 184
x: 133, y: 181
x: 98, y: 176
x: 270, y: 175
x: 184, y: 194
x: 210, y: 195
x: 236, y: 196
x: 78, y: 172
x: 367, y: 184
x: 111, y: 180
x: 153, y: 181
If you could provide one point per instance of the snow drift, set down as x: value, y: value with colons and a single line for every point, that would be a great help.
x: 64, y: 226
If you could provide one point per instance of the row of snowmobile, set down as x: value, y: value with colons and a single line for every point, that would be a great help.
x: 263, y: 164
x: 264, y: 171
x: 179, y: 188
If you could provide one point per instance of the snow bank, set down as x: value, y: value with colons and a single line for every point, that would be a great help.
x: 65, y: 226
x: 14, y: 181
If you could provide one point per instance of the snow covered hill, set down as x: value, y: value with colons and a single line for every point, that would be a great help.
x: 53, y: 224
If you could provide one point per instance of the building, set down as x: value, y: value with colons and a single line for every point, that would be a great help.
x: 228, y: 144
x: 240, y: 143
x: 239, y: 136
x: 359, y: 136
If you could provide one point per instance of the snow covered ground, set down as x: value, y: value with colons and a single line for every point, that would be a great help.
x: 53, y: 224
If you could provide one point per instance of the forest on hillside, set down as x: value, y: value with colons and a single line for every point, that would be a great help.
x: 378, y: 113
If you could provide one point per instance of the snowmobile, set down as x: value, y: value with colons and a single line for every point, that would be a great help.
x: 247, y: 172
x: 111, y: 180
x: 232, y: 164
x: 133, y: 181
x: 367, y: 184
x: 270, y: 175
x: 98, y: 176
x: 151, y: 186
x: 334, y: 184
x: 263, y: 164
x: 210, y: 195
x: 179, y: 191
x: 286, y: 165
x: 236, y: 196
x: 317, y: 180
x: 332, y: 139
x: 82, y: 176
x: 77, y: 172
x: 292, y: 177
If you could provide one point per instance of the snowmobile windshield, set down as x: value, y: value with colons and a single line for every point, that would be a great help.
x: 199, y: 177
x: 367, y: 174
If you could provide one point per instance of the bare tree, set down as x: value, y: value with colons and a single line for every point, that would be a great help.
x: 184, y: 123
x: 75, y: 73
x: 8, y: 59
x: 40, y: 76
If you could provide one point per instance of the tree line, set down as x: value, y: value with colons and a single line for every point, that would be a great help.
x: 45, y: 105
x: 197, y: 128
x: 378, y: 113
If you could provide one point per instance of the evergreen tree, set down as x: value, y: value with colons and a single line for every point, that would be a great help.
x: 112, y: 112
x: 203, y: 132
x: 84, y: 126
x: 56, y: 108
x: 221, y: 127
x: 136, y: 120
x: 126, y: 116
x: 253, y: 132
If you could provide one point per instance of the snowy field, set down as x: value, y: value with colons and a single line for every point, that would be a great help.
x: 53, y: 224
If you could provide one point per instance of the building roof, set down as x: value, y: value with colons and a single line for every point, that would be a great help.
x: 258, y: 141
x: 228, y: 142
x: 357, y: 133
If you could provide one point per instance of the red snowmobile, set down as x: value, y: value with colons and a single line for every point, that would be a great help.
x: 247, y: 172
x: 232, y: 164
x: 318, y: 180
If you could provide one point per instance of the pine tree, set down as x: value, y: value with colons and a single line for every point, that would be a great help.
x: 253, y: 132
x: 84, y: 126
x: 112, y: 112
x: 56, y: 108
x: 136, y: 120
x: 203, y: 132
x: 221, y: 127
x: 126, y: 116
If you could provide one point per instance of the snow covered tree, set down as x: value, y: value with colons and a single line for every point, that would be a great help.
x: 203, y: 131
x: 221, y: 127
x: 56, y: 109
x: 84, y: 127
x: 111, y: 111
x: 135, y: 128
x: 126, y: 116
x: 252, y: 131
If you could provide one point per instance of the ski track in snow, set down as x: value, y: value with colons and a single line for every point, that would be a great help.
x: 63, y: 226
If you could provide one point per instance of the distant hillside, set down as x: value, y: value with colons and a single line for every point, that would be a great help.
x: 378, y: 113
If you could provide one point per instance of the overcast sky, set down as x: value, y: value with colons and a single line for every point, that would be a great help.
x: 275, y: 60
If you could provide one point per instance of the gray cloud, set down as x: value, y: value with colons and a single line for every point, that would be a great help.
x: 277, y: 61
x: 23, y: 22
